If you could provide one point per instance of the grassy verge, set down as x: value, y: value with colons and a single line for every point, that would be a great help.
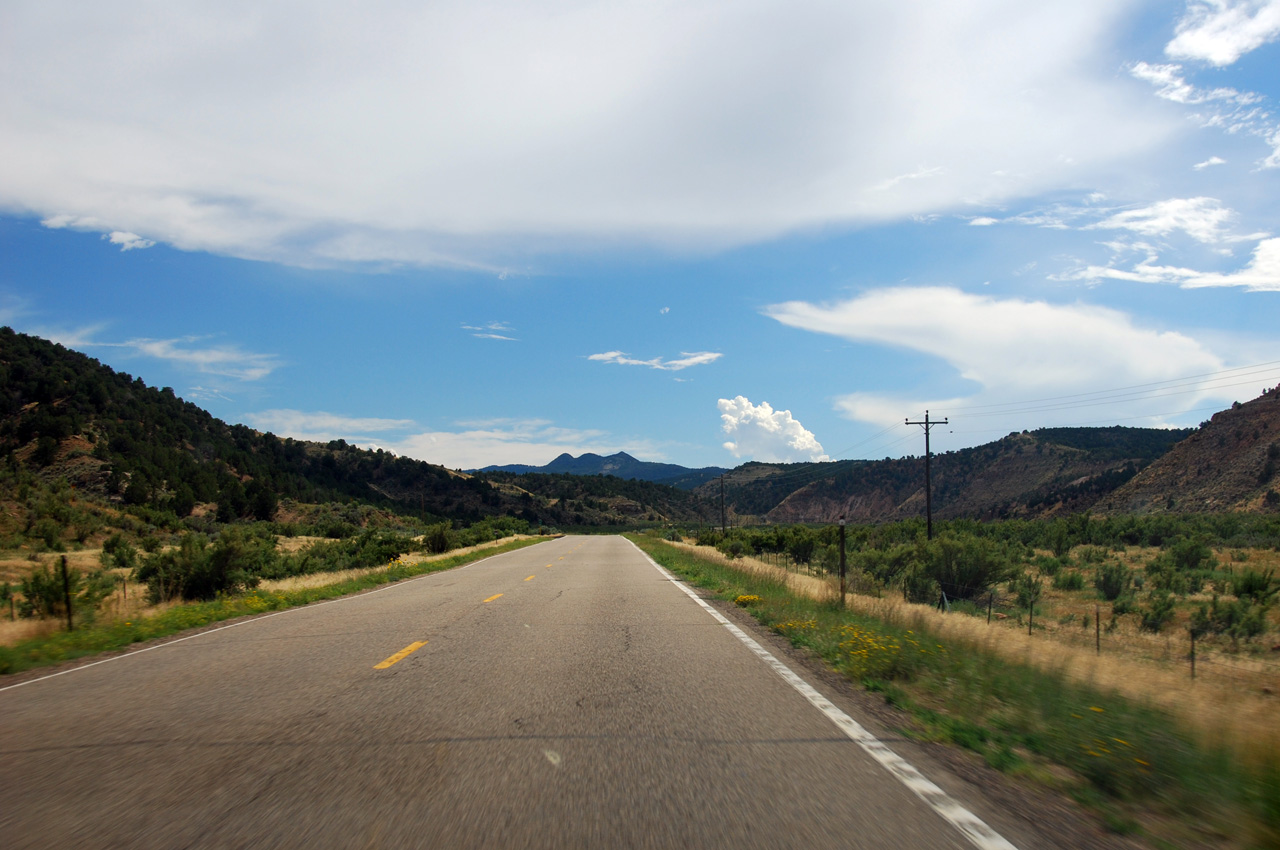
x: 64, y: 646
x: 1132, y: 763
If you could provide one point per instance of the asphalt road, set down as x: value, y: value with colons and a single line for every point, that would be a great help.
x: 564, y: 695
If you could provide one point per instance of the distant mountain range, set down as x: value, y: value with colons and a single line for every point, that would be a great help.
x: 620, y: 465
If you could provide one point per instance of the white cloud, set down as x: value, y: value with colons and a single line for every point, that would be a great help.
x: 472, y: 446
x: 1171, y: 85
x: 761, y: 433
x: 492, y: 330
x: 226, y: 360
x: 321, y: 426
x: 1262, y: 274
x: 1006, y: 350
x: 983, y: 221
x: 128, y: 241
x: 687, y: 359
x: 461, y: 134
x: 1221, y: 31
x: 1226, y: 109
x: 1211, y: 161
x: 1203, y: 219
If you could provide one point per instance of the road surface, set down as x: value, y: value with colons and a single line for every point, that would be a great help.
x: 564, y: 695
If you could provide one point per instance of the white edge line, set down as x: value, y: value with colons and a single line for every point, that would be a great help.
x: 258, y: 619
x: 970, y: 825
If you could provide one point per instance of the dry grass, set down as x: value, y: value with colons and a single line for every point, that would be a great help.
x: 129, y: 602
x: 1231, y: 703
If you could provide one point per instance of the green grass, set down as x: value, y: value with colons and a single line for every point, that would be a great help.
x: 1128, y: 761
x: 64, y: 646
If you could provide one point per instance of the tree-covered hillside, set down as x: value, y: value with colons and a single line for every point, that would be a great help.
x: 65, y: 415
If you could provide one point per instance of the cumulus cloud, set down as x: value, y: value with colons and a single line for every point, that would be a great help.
x: 455, y: 133
x: 686, y: 359
x: 1005, y: 350
x: 761, y: 433
x: 1221, y: 31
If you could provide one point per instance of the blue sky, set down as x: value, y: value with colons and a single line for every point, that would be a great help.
x: 699, y: 232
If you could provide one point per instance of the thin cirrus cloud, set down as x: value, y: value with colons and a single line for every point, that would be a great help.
x: 720, y: 123
x: 686, y: 360
x: 492, y: 330
x: 1000, y: 351
x: 227, y: 361
x: 321, y: 426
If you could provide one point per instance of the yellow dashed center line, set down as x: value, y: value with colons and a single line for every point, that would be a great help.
x: 491, y: 598
x: 530, y: 578
x: 401, y: 655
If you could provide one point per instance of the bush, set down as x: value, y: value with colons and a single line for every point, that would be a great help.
x: 1254, y: 585
x: 1091, y: 554
x: 439, y: 538
x: 43, y: 593
x: 1068, y: 580
x: 197, y: 570
x: 1027, y: 588
x: 1158, y: 613
x: 965, y: 566
x: 1112, y: 580
x: 1238, y: 620
x: 731, y: 548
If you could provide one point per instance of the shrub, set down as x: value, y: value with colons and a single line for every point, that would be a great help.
x: 732, y: 548
x: 118, y: 553
x: 965, y: 566
x: 196, y: 570
x: 43, y: 593
x: 1254, y: 585
x: 1068, y: 580
x: 1091, y: 554
x: 1112, y: 580
x: 439, y: 538
x: 919, y: 586
x: 1238, y: 619
x: 1027, y: 588
x: 1190, y: 553
x: 1158, y: 613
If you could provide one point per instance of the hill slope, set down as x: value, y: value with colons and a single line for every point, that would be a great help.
x: 65, y: 415
x: 1038, y: 473
x: 1232, y: 463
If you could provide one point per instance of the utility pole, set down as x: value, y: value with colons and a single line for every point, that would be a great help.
x: 842, y: 563
x: 724, y: 525
x: 928, y: 482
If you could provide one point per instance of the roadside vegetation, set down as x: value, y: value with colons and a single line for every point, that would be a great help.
x: 1177, y: 762
x: 133, y: 573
